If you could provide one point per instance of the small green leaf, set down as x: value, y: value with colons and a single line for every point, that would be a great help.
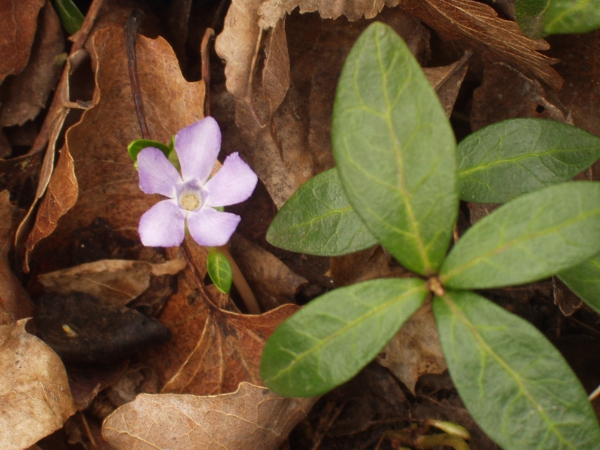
x: 529, y: 238
x: 219, y: 270
x: 510, y: 158
x: 572, y: 16
x: 319, y: 220
x: 584, y: 280
x: 332, y: 338
x: 135, y: 147
x: 70, y: 16
x: 514, y: 383
x: 395, y: 150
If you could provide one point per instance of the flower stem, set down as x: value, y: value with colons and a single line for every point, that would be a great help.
x: 241, y: 284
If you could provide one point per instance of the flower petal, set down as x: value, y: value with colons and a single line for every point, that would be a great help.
x: 197, y: 146
x: 232, y: 184
x: 163, y: 225
x: 212, y: 228
x: 157, y: 174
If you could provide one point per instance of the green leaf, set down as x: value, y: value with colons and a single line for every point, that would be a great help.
x: 395, y: 150
x: 135, y: 147
x: 507, y: 159
x: 319, y: 220
x: 584, y: 280
x: 332, y: 338
x: 572, y: 16
x: 529, y: 238
x: 219, y: 270
x: 70, y: 16
x: 514, y: 383
x: 538, y: 18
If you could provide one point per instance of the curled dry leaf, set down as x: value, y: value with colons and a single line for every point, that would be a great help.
x: 26, y: 94
x: 18, y: 23
x: 107, y: 182
x: 415, y: 350
x: 114, y: 281
x: 34, y: 392
x: 14, y: 300
x: 273, y: 10
x: 250, y: 418
x: 480, y: 25
x: 447, y: 81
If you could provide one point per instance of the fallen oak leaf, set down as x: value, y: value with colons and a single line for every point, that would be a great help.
x: 18, y: 23
x: 14, y: 300
x: 114, y: 281
x: 480, y: 25
x: 34, y: 392
x: 252, y: 417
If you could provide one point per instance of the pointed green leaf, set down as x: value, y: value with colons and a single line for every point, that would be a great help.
x: 395, y: 150
x: 319, y: 220
x: 514, y: 383
x: 572, y: 16
x: 332, y: 338
x: 529, y: 238
x: 70, y: 16
x: 584, y: 280
x: 219, y: 270
x: 510, y: 158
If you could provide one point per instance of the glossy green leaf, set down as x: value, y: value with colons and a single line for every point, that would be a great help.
x: 319, y: 220
x: 332, y: 338
x: 219, y: 270
x: 514, y: 383
x: 395, y: 150
x: 529, y: 238
x: 584, y: 280
x: 572, y: 16
x: 538, y: 18
x: 507, y: 159
x: 70, y: 16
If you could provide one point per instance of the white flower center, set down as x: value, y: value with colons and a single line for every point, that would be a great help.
x: 190, y: 201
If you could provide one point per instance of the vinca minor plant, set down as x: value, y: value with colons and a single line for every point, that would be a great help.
x: 398, y: 183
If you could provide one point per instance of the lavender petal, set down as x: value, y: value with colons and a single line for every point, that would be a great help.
x: 232, y: 184
x: 197, y: 147
x: 163, y: 225
x: 212, y: 228
x: 157, y: 174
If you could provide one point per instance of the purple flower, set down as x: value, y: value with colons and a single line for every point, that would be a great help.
x: 192, y: 198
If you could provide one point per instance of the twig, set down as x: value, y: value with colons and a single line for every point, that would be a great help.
x: 241, y: 284
x: 133, y: 23
x: 205, y: 58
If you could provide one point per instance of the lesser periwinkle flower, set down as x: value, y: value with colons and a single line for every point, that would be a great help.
x: 192, y: 196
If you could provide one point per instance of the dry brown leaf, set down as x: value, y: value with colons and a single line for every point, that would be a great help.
x: 415, y: 350
x: 276, y: 72
x: 271, y: 280
x: 26, y: 94
x: 14, y: 300
x: 447, y: 81
x: 108, y: 185
x: 114, y: 281
x: 34, y: 392
x: 250, y: 418
x: 273, y: 10
x: 18, y: 23
x: 227, y: 351
x: 60, y: 196
x: 480, y: 25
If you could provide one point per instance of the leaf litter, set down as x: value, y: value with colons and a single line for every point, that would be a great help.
x: 272, y: 95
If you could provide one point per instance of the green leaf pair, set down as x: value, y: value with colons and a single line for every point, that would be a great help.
x: 396, y: 163
x: 539, y: 18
